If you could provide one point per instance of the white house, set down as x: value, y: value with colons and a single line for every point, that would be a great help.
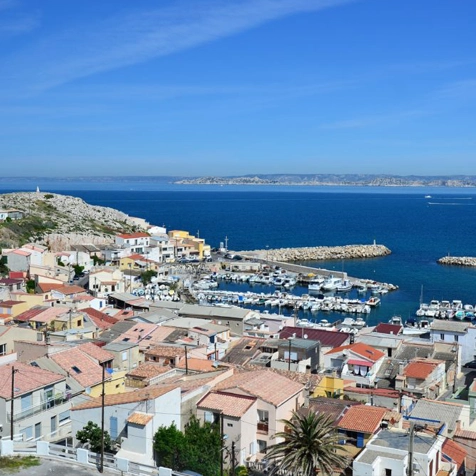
x: 386, y: 454
x: 133, y: 418
x: 136, y: 242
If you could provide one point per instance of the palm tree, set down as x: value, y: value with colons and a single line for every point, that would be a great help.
x: 308, y: 446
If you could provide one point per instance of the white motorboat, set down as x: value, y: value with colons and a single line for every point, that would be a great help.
x: 331, y: 283
x: 373, y: 301
x: 396, y: 321
x: 344, y: 287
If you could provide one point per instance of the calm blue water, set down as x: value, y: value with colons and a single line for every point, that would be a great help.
x: 417, y: 230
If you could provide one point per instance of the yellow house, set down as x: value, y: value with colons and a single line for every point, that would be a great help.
x: 198, y: 244
x: 10, y: 309
x: 31, y: 299
x: 330, y: 387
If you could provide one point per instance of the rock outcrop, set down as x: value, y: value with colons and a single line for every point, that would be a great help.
x: 58, y: 220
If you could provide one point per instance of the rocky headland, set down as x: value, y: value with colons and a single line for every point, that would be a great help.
x: 57, y: 221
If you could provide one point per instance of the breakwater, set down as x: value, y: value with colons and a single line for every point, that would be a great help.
x: 318, y: 253
x: 458, y: 261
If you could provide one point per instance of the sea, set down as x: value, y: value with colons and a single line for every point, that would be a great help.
x: 418, y: 224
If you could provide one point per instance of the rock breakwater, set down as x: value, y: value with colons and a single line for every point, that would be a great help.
x: 321, y: 253
x: 458, y: 261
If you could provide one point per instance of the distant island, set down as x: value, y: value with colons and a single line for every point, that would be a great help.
x: 354, y: 180
x: 337, y: 179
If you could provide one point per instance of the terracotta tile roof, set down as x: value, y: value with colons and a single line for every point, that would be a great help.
x: 465, y: 434
x: 362, y: 419
x: 122, y: 315
x: 359, y: 348
x: 50, y: 314
x: 197, y: 365
x: 326, y: 338
x: 231, y: 404
x: 134, y: 235
x: 165, y: 351
x: 100, y: 319
x: 384, y: 328
x: 138, y: 418
x: 27, y: 379
x: 47, y: 287
x: 269, y: 386
x: 381, y: 392
x: 137, y: 333
x: 68, y: 290
x: 30, y: 314
x: 79, y: 366
x: 148, y: 370
x: 21, y: 252
x: 159, y: 335
x: 143, y: 394
x: 10, y: 303
x: 312, y: 380
x: 453, y: 452
x: 419, y: 369
x: 96, y: 352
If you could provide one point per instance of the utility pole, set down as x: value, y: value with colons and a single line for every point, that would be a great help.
x: 101, y: 465
x: 232, y: 458
x: 186, y: 360
x: 410, y: 450
x: 222, y: 437
x: 12, y: 401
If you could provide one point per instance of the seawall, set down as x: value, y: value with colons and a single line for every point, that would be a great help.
x: 458, y: 261
x: 319, y: 253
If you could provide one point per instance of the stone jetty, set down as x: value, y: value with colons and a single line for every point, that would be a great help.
x: 458, y: 261
x: 320, y: 253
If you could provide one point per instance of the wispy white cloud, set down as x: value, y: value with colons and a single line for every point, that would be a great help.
x: 129, y: 39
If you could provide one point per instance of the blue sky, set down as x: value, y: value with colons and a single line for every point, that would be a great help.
x: 231, y: 87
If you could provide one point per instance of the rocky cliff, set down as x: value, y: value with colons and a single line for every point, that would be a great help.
x: 58, y: 221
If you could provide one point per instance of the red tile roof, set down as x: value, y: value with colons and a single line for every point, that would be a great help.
x: 27, y: 379
x: 231, y: 404
x: 326, y: 338
x: 384, y: 328
x: 453, y: 452
x: 68, y: 290
x: 420, y: 369
x: 361, y: 349
x: 79, y: 366
x: 362, y: 419
x: 134, y: 235
x: 100, y: 319
x: 10, y: 303
x: 47, y: 287
x: 30, y: 314
x: 265, y: 384
x: 96, y: 352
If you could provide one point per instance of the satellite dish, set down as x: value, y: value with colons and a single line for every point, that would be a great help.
x: 305, y: 336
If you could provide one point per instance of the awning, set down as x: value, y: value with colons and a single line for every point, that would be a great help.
x: 359, y: 362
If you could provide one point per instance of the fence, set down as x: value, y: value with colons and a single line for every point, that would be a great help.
x: 82, y: 457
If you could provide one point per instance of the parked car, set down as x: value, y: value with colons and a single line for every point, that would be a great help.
x: 470, y: 365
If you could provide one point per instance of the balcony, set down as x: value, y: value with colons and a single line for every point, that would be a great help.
x: 263, y: 427
x: 56, y: 401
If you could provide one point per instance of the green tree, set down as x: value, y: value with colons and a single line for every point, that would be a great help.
x: 3, y: 265
x: 78, y: 269
x: 92, y: 434
x: 204, y: 447
x: 308, y: 445
x: 169, y: 445
x: 30, y: 286
x: 146, y: 276
x: 97, y: 260
x: 198, y: 448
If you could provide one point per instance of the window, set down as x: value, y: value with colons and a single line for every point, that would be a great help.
x: 79, y: 323
x: 388, y: 472
x: 442, y: 336
x: 263, y: 416
x: 3, y: 349
x: 76, y: 369
x: 124, y: 356
x: 229, y: 425
x: 456, y: 338
x: 262, y: 446
x: 63, y: 417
